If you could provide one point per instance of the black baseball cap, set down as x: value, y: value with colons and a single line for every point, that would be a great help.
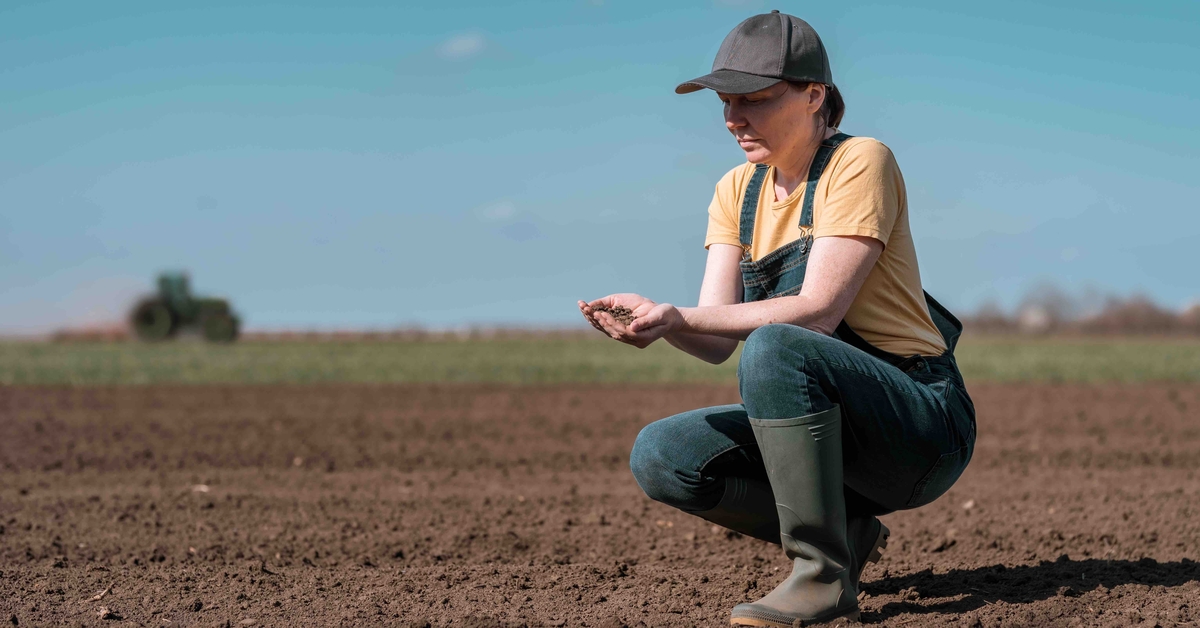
x: 762, y: 51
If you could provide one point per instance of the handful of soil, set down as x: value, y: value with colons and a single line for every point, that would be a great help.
x: 623, y: 314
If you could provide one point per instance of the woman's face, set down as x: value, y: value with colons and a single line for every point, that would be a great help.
x: 774, y: 125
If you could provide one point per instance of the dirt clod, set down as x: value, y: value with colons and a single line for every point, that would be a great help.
x: 621, y: 313
x: 100, y: 596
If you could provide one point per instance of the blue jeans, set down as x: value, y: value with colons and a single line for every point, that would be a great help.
x: 906, y: 436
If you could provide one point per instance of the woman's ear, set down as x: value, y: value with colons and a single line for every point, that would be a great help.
x: 816, y: 97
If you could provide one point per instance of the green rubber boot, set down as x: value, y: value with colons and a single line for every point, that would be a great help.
x: 803, y: 457
x: 747, y: 507
x: 867, y: 537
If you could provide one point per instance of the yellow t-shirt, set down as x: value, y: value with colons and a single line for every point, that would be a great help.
x: 861, y: 193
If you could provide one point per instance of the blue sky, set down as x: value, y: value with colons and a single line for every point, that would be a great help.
x: 379, y: 164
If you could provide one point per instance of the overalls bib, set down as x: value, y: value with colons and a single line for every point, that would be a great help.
x: 781, y: 273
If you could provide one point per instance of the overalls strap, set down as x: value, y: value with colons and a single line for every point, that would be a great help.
x: 750, y: 206
x: 947, y: 324
x: 820, y: 160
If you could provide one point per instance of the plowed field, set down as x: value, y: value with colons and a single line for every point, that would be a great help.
x: 498, y: 505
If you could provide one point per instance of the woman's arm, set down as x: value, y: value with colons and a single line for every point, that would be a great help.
x: 837, y: 268
x: 722, y: 285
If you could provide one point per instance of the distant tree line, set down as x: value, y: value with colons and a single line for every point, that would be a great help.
x: 1048, y: 309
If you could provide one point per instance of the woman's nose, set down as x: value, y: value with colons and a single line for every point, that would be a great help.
x: 733, y: 118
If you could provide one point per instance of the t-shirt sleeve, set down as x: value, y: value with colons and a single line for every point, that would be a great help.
x: 723, y: 212
x: 864, y: 194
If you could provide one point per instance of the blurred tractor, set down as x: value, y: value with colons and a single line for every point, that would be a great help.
x: 174, y: 310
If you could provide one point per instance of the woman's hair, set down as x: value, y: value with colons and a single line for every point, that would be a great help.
x: 833, y: 108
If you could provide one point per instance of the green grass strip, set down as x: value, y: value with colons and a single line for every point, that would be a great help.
x: 542, y: 361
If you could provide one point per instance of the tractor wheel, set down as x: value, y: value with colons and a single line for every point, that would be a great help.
x: 152, y: 321
x: 220, y: 328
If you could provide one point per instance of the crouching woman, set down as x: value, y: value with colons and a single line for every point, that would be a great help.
x: 852, y: 403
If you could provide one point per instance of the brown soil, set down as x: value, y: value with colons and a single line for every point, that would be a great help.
x: 621, y: 313
x: 492, y: 506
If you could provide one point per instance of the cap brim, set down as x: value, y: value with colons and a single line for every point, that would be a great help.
x: 727, y: 82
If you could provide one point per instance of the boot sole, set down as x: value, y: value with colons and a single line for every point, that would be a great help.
x: 880, y: 544
x: 876, y: 553
x: 766, y: 623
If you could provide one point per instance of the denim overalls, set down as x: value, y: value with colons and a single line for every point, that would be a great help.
x: 908, y: 423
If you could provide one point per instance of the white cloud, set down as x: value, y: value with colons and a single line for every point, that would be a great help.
x: 503, y: 218
x: 497, y: 212
x: 462, y: 46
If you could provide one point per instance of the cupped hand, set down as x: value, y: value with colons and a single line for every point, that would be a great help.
x: 605, y: 322
x: 590, y: 315
x: 651, y: 320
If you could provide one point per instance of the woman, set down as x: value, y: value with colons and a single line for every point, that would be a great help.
x: 853, y: 405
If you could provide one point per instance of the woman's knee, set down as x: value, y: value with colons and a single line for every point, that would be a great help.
x: 651, y: 463
x: 785, y: 371
x: 761, y: 346
x: 659, y: 465
x: 777, y: 354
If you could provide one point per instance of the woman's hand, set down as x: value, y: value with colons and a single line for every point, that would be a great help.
x: 604, y: 321
x: 651, y: 320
